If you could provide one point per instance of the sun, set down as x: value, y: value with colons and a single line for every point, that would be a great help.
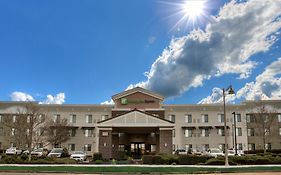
x: 193, y: 9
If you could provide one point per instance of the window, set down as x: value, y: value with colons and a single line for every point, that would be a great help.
x: 265, y: 118
x: 205, y: 132
x: 121, y: 148
x: 204, y: 118
x: 13, y: 131
x: 188, y: 118
x: 174, y: 133
x: 71, y: 147
x: 205, y: 147
x: 87, y: 147
x: 89, y: 118
x: 221, y: 131
x: 251, y: 132
x: 238, y: 118
x: 1, y: 118
x: 1, y: 131
x: 104, y: 117
x: 72, y: 132
x: 188, y: 147
x: 220, y: 118
x: 239, y: 146
x: 72, y: 118
x: 250, y: 118
x: 280, y: 131
x: 88, y: 132
x: 266, y: 131
x: 153, y: 148
x: 279, y: 117
x: 268, y: 146
x: 238, y: 131
x: 251, y: 146
x: 188, y: 133
x: 172, y: 118
x: 56, y: 117
x: 14, y: 118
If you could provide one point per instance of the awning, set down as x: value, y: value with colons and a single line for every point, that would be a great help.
x: 188, y: 127
x: 205, y: 127
x: 221, y: 127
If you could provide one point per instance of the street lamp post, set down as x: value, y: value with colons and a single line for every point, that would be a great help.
x: 230, y: 91
x: 235, y: 138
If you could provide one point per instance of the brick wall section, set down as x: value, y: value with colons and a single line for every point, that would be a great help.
x: 165, y: 137
x: 106, y: 150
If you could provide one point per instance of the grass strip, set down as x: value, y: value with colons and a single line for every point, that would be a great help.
x: 138, y: 169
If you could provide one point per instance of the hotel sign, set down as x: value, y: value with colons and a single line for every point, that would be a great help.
x: 125, y: 101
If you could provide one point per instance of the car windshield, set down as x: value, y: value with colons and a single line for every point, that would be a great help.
x: 56, y: 151
x: 78, y: 152
x: 38, y: 150
x: 215, y: 151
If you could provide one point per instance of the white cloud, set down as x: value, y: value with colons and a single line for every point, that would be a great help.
x: 21, y: 96
x: 239, y: 31
x: 57, y: 99
x: 267, y: 86
x: 109, y: 102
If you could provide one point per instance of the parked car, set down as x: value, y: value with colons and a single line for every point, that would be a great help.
x: 214, y: 152
x: 13, y: 151
x: 231, y: 152
x: 78, y: 155
x: 58, y: 152
x: 180, y: 151
x: 39, y: 152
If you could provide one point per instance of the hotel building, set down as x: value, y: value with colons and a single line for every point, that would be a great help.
x: 138, y: 123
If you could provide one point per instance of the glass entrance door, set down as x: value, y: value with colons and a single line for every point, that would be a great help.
x: 137, y: 150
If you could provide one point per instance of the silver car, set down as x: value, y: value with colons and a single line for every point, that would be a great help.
x: 78, y: 155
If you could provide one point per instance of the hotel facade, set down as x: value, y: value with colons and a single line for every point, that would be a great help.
x: 139, y: 123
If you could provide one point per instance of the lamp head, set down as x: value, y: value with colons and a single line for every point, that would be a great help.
x: 231, y: 91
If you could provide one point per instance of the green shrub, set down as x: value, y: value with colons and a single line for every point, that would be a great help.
x: 192, y: 159
x: 215, y: 161
x: 147, y: 159
x: 98, y: 161
x: 157, y: 159
x: 97, y: 156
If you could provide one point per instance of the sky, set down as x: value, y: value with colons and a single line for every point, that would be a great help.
x: 85, y: 51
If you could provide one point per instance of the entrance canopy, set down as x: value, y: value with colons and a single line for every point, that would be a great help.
x: 136, y: 118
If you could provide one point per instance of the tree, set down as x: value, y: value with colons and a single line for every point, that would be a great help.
x: 261, y: 120
x: 57, y: 131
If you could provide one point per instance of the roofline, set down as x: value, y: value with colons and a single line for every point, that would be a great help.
x: 137, y: 89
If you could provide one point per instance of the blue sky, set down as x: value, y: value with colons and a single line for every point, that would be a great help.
x: 83, y: 52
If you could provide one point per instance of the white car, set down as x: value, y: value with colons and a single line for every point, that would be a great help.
x: 39, y: 152
x: 231, y: 152
x: 13, y: 151
x: 214, y: 152
x: 78, y: 155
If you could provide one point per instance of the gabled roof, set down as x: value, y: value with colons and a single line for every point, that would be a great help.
x: 137, y: 89
x: 135, y: 118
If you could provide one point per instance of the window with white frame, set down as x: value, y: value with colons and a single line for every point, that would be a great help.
x: 251, y: 146
x: 204, y: 118
x: 220, y: 131
x: 250, y: 118
x: 14, y: 118
x: 188, y: 133
x: 56, y: 117
x: 238, y: 118
x: 172, y: 118
x: 13, y: 131
x: 239, y: 146
x: 251, y: 132
x: 279, y: 117
x: 104, y: 117
x: 72, y: 118
x: 268, y: 146
x: 220, y: 118
x: 174, y: 133
x: 266, y: 131
x: 238, y: 131
x: 87, y: 147
x: 88, y: 132
x: 188, y: 118
x: 204, y: 132
x: 72, y: 132
x: 71, y: 147
x: 89, y: 118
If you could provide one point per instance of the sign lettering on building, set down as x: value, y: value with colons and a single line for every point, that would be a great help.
x: 125, y: 101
